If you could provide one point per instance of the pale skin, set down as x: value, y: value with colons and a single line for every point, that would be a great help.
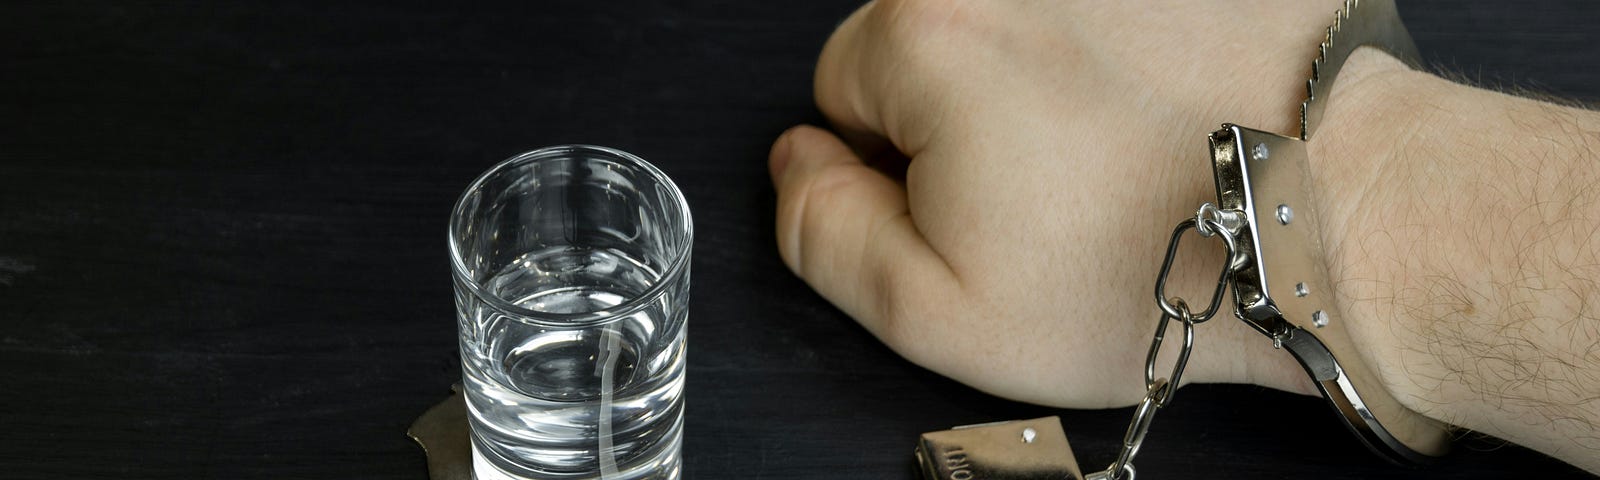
x: 1053, y: 145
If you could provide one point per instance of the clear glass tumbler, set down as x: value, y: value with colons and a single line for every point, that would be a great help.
x: 572, y: 287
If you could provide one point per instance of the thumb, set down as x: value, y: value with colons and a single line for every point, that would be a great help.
x: 846, y: 230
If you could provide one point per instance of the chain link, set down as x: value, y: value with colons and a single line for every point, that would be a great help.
x: 1178, y: 366
x: 1217, y: 228
x: 1208, y: 222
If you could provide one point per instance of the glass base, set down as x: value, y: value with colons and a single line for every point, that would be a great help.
x: 666, y: 467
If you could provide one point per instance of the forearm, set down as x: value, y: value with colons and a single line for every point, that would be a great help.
x: 1462, y: 233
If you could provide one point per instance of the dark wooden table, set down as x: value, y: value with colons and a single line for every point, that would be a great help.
x: 222, y: 236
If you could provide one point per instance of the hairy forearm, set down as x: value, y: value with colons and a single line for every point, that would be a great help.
x: 1463, y: 228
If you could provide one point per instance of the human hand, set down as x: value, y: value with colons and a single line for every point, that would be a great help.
x: 1052, y: 147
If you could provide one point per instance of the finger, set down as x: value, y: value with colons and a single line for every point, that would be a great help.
x: 845, y: 229
x: 838, y: 83
x: 876, y: 75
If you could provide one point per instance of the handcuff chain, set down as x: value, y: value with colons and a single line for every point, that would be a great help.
x: 1208, y: 226
x: 1208, y: 222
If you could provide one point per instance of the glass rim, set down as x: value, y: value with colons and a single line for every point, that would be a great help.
x: 675, y: 267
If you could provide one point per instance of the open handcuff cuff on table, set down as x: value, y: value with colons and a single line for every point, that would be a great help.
x: 1267, y: 221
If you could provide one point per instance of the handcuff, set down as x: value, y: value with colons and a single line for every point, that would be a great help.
x: 1267, y: 222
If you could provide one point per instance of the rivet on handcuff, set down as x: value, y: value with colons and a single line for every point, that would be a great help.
x: 1269, y: 225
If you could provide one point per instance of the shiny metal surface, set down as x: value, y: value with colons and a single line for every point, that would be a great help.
x: 999, y: 451
x: 1138, y: 429
x: 442, y: 433
x: 1370, y: 23
x: 1284, y: 287
x: 1284, y: 291
x: 1207, y: 227
x: 1151, y: 383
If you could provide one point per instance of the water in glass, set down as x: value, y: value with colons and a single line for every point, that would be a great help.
x: 553, y: 402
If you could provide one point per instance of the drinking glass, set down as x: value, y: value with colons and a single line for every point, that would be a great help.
x: 571, y: 268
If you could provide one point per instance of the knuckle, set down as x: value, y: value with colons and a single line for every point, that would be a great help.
x: 921, y: 16
x: 914, y: 27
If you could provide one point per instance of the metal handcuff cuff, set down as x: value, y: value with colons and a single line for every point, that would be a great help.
x: 1266, y: 219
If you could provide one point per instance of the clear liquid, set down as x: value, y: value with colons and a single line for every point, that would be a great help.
x: 602, y: 401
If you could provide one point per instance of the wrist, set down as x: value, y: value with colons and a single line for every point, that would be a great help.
x: 1457, y: 226
x: 1374, y: 116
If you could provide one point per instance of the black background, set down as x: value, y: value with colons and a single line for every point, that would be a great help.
x: 222, y: 236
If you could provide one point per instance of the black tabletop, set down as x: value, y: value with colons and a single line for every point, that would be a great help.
x: 222, y: 236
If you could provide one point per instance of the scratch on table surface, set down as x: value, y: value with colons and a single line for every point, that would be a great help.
x: 11, y: 268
